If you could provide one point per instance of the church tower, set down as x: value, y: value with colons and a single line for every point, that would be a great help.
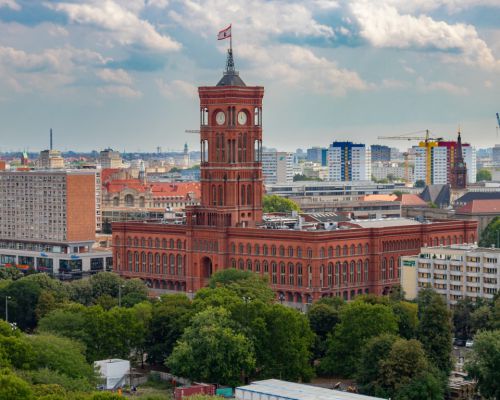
x: 231, y: 153
x: 459, y: 170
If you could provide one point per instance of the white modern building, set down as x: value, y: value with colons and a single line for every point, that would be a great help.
x: 277, y: 167
x: 383, y: 170
x: 456, y: 272
x: 348, y: 161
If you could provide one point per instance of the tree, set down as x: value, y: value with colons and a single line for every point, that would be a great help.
x: 170, y: 316
x: 435, y: 329
x: 407, y: 315
x: 462, y: 318
x: 302, y: 177
x: 322, y: 319
x: 286, y: 343
x: 211, y: 350
x: 23, y: 294
x: 11, y: 273
x: 359, y: 321
x: 13, y: 387
x: 274, y: 203
x: 491, y: 234
x: 483, y: 175
x: 484, y: 363
x: 420, y: 183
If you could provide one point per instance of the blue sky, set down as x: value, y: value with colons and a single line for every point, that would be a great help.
x: 123, y: 73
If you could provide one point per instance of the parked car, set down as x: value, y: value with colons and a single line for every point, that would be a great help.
x: 469, y: 343
x: 459, y: 342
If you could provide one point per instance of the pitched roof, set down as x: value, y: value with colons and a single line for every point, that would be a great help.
x: 158, y: 189
x: 437, y: 194
x: 470, y: 196
x: 411, y: 200
x: 481, y: 207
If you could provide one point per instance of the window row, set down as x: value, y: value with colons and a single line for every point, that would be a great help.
x: 156, y: 263
x: 290, y: 251
x: 150, y: 243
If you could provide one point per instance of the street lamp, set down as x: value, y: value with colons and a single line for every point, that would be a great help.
x: 7, y: 298
x: 120, y: 295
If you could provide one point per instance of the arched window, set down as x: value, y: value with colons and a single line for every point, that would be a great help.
x: 257, y: 266
x: 157, y: 263
x: 233, y: 263
x: 353, y: 249
x: 309, y: 252
x: 265, y: 265
x: 291, y: 274
x: 282, y: 251
x: 221, y: 196
x: 282, y: 273
x: 344, y: 272
x: 179, y: 265
x: 240, y: 248
x: 345, y: 251
x: 241, y: 264
x: 274, y: 279
x: 143, y: 260
x: 164, y: 243
x: 273, y: 250
x: 129, y: 260
x: 321, y: 275
x: 257, y: 249
x: 360, y: 271
x: 129, y: 241
x: 322, y: 252
x: 249, y: 265
x: 150, y: 243
x: 265, y: 250
x: 233, y: 248
x: 360, y: 249
x: 179, y: 244
x: 172, y: 264
x: 384, y: 268
x: 351, y: 272
x: 391, y: 268
x: 299, y: 274
x: 367, y: 270
x: 249, y: 248
x: 290, y: 251
x: 330, y: 252
x: 136, y: 261
x: 337, y: 273
x: 243, y: 195
x: 172, y: 243
x: 143, y: 242
x: 330, y: 274
x: 249, y: 195
x: 164, y: 263
x: 299, y: 252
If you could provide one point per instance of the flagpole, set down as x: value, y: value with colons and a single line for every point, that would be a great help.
x: 231, y: 39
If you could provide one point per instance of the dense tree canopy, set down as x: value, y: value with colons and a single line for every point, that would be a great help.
x: 484, y: 363
x: 483, y: 175
x: 274, y: 203
x: 491, y: 234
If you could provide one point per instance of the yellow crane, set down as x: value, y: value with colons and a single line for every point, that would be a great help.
x: 425, y: 141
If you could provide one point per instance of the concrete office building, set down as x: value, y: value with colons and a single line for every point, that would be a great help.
x: 48, y: 221
x: 50, y: 159
x: 277, y: 167
x: 348, y: 161
x: 110, y: 159
x: 456, y: 271
x: 380, y: 153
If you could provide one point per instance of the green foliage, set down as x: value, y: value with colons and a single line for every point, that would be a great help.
x: 435, y: 329
x: 302, y: 177
x: 10, y: 273
x: 23, y: 295
x: 483, y: 175
x: 170, y: 316
x: 322, y: 319
x: 420, y: 183
x: 274, y: 203
x: 407, y: 315
x: 491, y: 234
x: 13, y: 387
x: 211, y: 350
x: 484, y: 363
x: 426, y: 386
x: 359, y: 321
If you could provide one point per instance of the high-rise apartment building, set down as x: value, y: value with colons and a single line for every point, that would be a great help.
x: 455, y: 271
x: 277, y: 167
x: 110, y: 159
x: 435, y: 162
x: 349, y: 161
x: 380, y: 153
x: 48, y: 220
x: 50, y: 159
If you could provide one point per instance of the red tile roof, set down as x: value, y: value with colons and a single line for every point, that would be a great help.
x: 411, y: 200
x: 158, y: 189
x: 480, y: 207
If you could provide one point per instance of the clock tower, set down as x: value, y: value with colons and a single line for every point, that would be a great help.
x: 231, y: 153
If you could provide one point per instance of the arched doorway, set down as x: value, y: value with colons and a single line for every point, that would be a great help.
x: 206, y: 267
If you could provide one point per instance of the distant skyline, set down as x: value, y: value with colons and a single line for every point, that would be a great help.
x: 123, y: 73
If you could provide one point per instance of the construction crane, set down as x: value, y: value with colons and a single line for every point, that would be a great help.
x: 426, y: 141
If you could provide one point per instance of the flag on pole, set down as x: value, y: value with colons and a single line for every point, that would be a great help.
x: 224, y: 34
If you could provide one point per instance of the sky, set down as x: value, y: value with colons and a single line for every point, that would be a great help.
x: 124, y: 73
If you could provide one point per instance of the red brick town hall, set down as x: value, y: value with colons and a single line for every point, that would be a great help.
x: 303, y: 257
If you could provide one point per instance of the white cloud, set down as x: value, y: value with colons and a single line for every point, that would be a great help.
x: 12, y: 4
x: 121, y: 22
x: 383, y: 26
x: 115, y: 76
x: 176, y: 88
x: 158, y: 3
x: 452, y: 6
x: 443, y: 86
x: 120, y: 91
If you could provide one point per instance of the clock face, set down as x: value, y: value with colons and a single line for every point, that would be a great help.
x: 242, y: 118
x: 220, y: 117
